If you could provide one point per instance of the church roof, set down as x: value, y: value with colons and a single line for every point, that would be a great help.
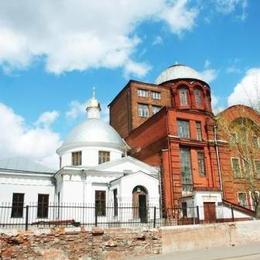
x: 93, y: 132
x: 23, y: 164
x: 178, y: 71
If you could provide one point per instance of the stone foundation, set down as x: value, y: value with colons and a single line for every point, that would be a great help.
x: 80, y: 244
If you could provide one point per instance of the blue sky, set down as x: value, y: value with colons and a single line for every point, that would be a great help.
x: 53, y: 53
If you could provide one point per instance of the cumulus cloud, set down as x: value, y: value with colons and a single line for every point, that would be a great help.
x: 80, y: 34
x: 47, y: 118
x: 179, y: 17
x: 247, y: 91
x: 18, y: 139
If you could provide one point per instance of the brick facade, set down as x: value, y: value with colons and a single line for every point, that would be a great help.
x: 156, y: 141
x: 232, y: 185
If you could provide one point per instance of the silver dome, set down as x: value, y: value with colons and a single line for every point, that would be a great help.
x: 178, y: 71
x: 93, y: 132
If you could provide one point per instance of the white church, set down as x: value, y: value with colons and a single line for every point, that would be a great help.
x: 95, y: 173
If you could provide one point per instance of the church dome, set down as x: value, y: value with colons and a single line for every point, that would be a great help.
x: 178, y: 71
x: 93, y: 132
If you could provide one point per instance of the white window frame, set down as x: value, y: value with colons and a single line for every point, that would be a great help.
x: 180, y: 129
x: 156, y: 95
x: 184, y: 100
x: 142, y: 92
x: 142, y: 112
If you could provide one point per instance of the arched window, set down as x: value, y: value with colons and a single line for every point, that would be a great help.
x: 208, y: 102
x: 198, y: 97
x: 183, y: 95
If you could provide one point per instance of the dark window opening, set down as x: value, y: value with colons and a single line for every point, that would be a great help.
x: 103, y: 156
x: 201, y: 163
x: 115, y: 202
x: 17, y: 205
x: 100, y: 203
x: 76, y: 158
x: 43, y: 206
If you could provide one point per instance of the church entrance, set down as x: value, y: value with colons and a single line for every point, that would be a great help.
x: 140, y: 203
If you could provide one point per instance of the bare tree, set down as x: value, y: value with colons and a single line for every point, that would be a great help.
x: 243, y: 135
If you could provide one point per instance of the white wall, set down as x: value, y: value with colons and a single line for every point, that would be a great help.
x: 31, y: 186
x: 89, y: 155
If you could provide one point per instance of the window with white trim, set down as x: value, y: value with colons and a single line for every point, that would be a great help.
x: 156, y: 95
x: 199, y: 131
x: 183, y: 129
x: 142, y: 93
x: 183, y: 95
x: 198, y: 97
x: 143, y: 110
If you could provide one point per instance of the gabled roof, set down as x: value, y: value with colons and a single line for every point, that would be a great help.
x: 134, y: 173
x: 129, y: 159
x: 24, y: 165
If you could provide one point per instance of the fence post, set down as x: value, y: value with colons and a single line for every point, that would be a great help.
x: 198, y: 214
x: 154, y: 217
x: 232, y: 213
x: 26, y: 217
x: 96, y: 215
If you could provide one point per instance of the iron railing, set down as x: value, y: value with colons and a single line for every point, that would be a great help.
x: 33, y: 216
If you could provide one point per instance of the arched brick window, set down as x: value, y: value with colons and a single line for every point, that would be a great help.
x: 198, y: 95
x: 183, y: 96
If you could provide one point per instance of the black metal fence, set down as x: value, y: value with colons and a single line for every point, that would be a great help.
x: 45, y: 216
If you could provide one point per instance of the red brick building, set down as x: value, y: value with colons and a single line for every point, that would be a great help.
x: 236, y: 186
x: 170, y: 125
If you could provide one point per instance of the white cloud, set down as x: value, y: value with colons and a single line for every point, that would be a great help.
x: 19, y: 139
x: 81, y: 34
x: 75, y: 109
x: 208, y: 74
x: 47, y: 118
x: 179, y: 17
x: 229, y: 6
x: 216, y: 107
x: 247, y: 91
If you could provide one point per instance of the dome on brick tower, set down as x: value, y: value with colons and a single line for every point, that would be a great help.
x: 178, y: 71
x: 93, y: 132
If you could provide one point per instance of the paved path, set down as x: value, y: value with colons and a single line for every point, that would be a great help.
x: 245, y: 252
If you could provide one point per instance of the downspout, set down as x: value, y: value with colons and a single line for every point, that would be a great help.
x: 218, y: 158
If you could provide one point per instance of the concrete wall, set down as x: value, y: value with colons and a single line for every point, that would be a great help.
x: 182, y: 238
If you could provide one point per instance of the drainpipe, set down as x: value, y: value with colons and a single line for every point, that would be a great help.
x: 218, y: 159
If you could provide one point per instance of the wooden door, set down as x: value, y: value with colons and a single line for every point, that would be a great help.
x: 209, y: 212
